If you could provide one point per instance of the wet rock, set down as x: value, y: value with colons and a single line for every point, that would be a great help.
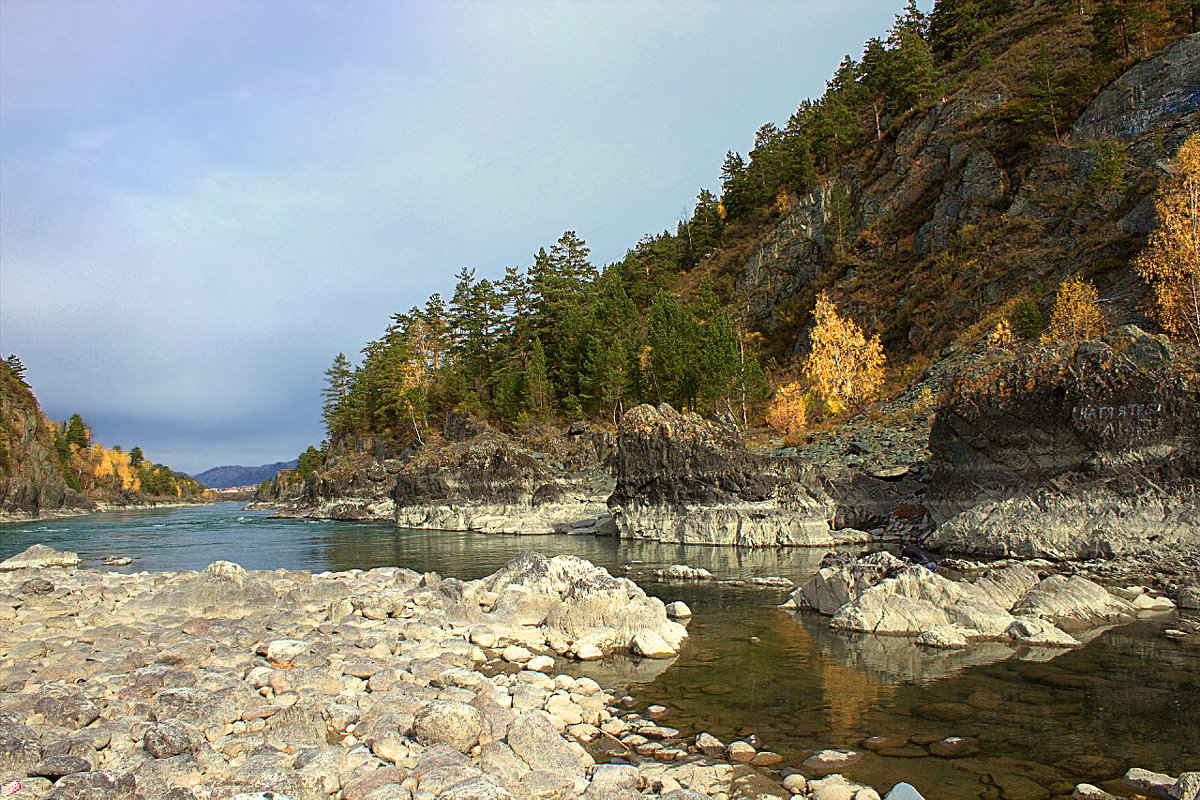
x: 955, y: 747
x: 829, y: 760
x: 1086, y: 791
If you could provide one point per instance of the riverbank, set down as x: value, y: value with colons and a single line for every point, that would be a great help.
x: 17, y: 518
x: 359, y: 684
x: 353, y: 685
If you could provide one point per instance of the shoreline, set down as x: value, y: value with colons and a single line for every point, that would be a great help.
x: 256, y: 676
x: 9, y: 518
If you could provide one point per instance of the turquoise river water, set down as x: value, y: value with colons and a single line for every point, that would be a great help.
x: 1046, y: 720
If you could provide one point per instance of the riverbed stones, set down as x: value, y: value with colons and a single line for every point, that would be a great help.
x: 829, y: 760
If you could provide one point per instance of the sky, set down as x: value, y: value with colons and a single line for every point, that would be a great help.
x: 202, y: 202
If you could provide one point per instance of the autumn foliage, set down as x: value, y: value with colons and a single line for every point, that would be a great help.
x: 1171, y: 261
x: 1077, y: 315
x: 845, y: 367
x: 788, y: 411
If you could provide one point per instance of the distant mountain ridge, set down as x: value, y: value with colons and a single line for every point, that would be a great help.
x: 228, y: 477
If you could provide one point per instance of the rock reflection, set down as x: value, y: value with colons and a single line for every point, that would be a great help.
x: 896, y: 659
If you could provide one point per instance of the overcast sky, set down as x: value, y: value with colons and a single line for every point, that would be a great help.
x: 203, y: 202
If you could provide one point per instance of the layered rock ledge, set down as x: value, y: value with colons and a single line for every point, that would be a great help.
x: 472, y: 478
x: 1074, y: 451
x: 684, y: 479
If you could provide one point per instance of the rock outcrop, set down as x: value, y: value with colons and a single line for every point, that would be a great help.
x: 687, y: 480
x: 881, y: 594
x: 1080, y: 451
x: 471, y: 478
x: 31, y: 478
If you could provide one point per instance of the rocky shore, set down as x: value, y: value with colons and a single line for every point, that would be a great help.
x: 360, y: 685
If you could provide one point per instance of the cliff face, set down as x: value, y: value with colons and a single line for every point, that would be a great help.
x: 952, y: 215
x: 1079, y: 451
x: 31, y: 479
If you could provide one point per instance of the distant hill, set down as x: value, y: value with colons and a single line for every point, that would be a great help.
x: 231, y: 476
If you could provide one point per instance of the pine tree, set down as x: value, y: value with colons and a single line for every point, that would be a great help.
x: 337, y: 384
x: 77, y: 433
x: 17, y: 368
x: 537, y: 385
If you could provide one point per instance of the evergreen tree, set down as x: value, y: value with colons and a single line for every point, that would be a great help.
x: 77, y: 433
x: 17, y: 368
x: 537, y: 384
x: 135, y: 457
x: 309, y: 462
x: 337, y: 385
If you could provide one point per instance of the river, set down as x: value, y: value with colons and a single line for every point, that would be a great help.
x: 1130, y: 697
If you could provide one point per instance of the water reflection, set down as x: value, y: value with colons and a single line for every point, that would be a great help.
x: 1129, y: 698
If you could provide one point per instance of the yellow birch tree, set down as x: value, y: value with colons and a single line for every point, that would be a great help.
x: 1077, y: 315
x: 845, y: 366
x: 1171, y: 261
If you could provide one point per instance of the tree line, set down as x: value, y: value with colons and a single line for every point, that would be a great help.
x: 560, y: 338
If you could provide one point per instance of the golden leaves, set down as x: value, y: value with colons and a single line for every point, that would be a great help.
x: 845, y: 366
x: 1171, y: 261
x: 1077, y: 315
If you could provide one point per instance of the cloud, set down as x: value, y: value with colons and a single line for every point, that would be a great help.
x: 201, y: 203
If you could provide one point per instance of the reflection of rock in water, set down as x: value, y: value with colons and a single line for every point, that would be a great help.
x: 619, y: 672
x: 796, y: 563
x: 897, y: 659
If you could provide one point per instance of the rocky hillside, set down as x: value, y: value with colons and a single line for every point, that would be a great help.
x: 958, y: 218
x: 31, y: 479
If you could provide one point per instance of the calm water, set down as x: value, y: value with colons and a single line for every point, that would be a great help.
x: 1129, y: 698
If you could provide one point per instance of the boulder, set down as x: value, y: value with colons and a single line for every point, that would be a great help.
x: 1073, y: 602
x: 222, y: 590
x: 448, y: 722
x: 684, y: 479
x: 534, y: 739
x: 39, y: 556
x: 583, y: 603
x: 1084, y: 450
x: 880, y: 594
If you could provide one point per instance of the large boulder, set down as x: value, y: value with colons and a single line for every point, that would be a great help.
x: 1078, y: 451
x: 581, y: 602
x: 39, y: 556
x: 881, y: 594
x: 222, y: 589
x: 684, y: 479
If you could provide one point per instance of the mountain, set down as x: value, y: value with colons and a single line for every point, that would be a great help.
x: 228, y: 477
